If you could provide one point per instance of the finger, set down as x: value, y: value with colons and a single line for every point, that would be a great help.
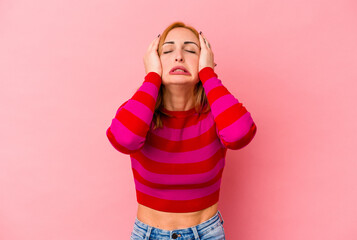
x: 202, y: 42
x: 206, y: 41
x: 156, y: 43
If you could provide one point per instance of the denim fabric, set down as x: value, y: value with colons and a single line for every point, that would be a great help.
x: 211, y: 229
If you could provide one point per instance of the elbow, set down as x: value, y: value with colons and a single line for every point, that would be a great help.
x: 240, y: 141
x: 126, y: 143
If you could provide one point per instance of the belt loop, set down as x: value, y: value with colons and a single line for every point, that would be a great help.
x: 195, y: 233
x: 147, y: 237
x: 219, y: 213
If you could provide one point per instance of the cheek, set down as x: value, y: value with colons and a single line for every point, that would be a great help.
x: 163, y: 62
x: 163, y: 59
x: 165, y: 66
x: 194, y: 62
x: 195, y: 59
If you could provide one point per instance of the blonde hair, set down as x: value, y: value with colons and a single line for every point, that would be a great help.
x: 201, y: 102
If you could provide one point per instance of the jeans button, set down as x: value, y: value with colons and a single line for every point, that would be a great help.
x: 174, y: 235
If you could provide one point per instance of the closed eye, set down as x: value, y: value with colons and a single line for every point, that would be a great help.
x: 186, y: 50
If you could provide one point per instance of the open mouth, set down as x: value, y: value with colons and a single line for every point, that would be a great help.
x: 179, y: 70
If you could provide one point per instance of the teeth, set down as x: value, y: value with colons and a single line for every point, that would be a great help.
x: 179, y: 70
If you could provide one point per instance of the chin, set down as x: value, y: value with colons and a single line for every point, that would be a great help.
x: 177, y: 79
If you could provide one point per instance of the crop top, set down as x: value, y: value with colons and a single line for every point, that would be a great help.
x: 178, y: 168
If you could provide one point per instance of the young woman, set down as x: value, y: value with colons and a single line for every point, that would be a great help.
x: 177, y: 128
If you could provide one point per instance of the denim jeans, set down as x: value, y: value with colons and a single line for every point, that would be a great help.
x: 211, y: 229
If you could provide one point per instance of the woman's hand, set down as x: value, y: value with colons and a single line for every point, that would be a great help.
x: 206, y: 55
x: 152, y: 60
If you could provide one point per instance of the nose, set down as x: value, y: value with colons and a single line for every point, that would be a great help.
x: 179, y: 56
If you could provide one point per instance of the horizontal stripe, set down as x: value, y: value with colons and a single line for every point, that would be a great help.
x: 178, y: 113
x: 177, y: 205
x: 222, y: 103
x: 242, y: 142
x: 181, y: 157
x: 216, y: 93
x: 121, y: 106
x: 140, y: 110
x: 230, y: 115
x: 149, y: 88
x: 179, y: 123
x: 115, y: 144
x: 154, y: 78
x: 204, y: 165
x: 180, y: 185
x: 178, y: 194
x: 193, y: 131
x: 206, y: 73
x: 124, y: 136
x: 211, y: 84
x: 238, y: 129
x: 146, y: 99
x: 184, y: 145
x: 175, y: 178
x: 135, y: 124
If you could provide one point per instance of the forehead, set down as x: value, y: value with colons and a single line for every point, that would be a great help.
x: 181, y: 35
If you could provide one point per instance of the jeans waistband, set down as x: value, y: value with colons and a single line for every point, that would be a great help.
x: 217, y: 217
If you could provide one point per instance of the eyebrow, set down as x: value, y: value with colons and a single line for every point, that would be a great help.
x: 186, y: 42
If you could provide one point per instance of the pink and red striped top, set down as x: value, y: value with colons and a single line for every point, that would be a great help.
x: 178, y: 168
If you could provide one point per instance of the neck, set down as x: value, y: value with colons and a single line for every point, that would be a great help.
x: 178, y: 97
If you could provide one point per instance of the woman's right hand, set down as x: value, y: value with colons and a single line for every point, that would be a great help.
x: 152, y: 60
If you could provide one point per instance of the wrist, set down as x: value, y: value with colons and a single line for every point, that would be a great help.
x: 206, y: 73
x: 154, y: 78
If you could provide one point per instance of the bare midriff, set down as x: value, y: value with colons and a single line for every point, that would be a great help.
x: 173, y: 221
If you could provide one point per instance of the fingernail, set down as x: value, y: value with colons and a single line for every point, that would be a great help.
x: 158, y: 35
x: 200, y: 32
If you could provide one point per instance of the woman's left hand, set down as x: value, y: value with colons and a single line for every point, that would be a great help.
x: 206, y: 54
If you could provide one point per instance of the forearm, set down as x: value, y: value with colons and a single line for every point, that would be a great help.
x: 131, y: 123
x: 234, y: 123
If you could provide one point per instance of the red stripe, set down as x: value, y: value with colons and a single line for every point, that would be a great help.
x: 154, y: 78
x: 132, y: 122
x: 138, y: 177
x: 179, y: 168
x: 243, y: 141
x: 230, y: 115
x: 183, y: 145
x: 206, y: 73
x: 179, y: 123
x: 121, y: 106
x: 145, y: 98
x: 177, y: 205
x: 216, y: 93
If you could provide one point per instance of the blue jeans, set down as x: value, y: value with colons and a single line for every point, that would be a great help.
x: 211, y: 229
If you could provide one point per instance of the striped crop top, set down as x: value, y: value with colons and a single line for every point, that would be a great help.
x: 178, y: 168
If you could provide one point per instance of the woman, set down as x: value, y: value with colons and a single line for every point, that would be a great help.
x: 177, y: 128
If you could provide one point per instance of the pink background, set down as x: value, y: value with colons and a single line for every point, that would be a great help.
x: 66, y: 66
